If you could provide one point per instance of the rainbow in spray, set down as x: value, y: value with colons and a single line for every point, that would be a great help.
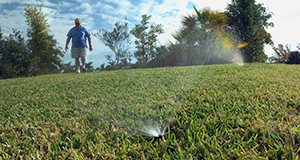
x: 230, y: 49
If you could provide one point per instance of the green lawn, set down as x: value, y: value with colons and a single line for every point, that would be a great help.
x: 213, y: 112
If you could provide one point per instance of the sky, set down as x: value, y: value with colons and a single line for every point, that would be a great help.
x: 102, y: 14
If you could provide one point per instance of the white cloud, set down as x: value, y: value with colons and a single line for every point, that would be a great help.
x: 64, y: 4
x: 109, y: 19
x: 12, y: 19
x: 113, y: 1
x: 84, y: 8
x: 107, y: 9
x: 169, y: 14
x: 17, y: 1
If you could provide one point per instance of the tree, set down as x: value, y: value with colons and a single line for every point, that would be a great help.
x: 14, y: 56
x: 211, y: 20
x: 146, y: 39
x: 68, y: 68
x: 281, y: 55
x: 160, y: 59
x: 111, y: 66
x: 101, y: 68
x: 294, y: 58
x: 44, y: 51
x: 1, y: 34
x: 201, y: 40
x: 118, y: 40
x: 89, y: 67
x: 248, y: 21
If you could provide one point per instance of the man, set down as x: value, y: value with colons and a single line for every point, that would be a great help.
x: 79, y: 34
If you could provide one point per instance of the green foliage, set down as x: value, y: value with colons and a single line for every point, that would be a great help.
x: 294, y: 58
x: 68, y: 68
x: 222, y: 112
x: 177, y: 56
x: 89, y: 67
x: 43, y: 47
x: 202, y: 40
x: 118, y: 40
x: 1, y: 34
x: 160, y: 59
x: 38, y: 55
x: 248, y: 22
x: 6, y: 71
x: 14, y: 56
x: 101, y: 68
x: 146, y: 39
x: 211, y: 20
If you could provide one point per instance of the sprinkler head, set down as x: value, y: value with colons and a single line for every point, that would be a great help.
x: 160, y: 137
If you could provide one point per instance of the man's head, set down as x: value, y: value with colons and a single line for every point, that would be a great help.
x: 78, y: 23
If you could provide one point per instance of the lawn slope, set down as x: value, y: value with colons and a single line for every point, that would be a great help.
x: 215, y: 112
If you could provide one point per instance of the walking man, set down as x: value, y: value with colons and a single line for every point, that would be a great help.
x: 79, y: 34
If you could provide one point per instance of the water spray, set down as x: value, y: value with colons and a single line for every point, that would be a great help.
x: 147, y: 116
x: 158, y: 131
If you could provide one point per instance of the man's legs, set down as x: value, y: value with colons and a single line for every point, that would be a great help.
x: 79, y: 53
x: 83, y: 63
x: 77, y: 63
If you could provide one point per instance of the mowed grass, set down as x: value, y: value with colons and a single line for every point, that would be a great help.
x: 216, y: 112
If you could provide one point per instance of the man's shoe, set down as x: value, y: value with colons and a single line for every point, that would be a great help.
x: 83, y: 70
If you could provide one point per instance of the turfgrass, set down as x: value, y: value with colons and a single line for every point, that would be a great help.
x: 216, y: 112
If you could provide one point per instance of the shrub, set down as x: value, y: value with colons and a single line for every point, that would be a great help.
x: 294, y: 58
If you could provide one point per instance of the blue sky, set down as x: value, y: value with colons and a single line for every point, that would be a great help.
x: 99, y: 14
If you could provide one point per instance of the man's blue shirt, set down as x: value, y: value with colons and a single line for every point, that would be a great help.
x: 78, y: 36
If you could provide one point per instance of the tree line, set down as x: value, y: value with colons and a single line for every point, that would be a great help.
x: 205, y: 37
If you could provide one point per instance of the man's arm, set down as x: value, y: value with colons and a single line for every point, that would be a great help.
x: 90, y: 43
x: 67, y: 43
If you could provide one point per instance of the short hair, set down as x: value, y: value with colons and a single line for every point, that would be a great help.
x: 78, y: 19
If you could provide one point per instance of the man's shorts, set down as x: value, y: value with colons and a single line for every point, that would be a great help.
x: 78, y: 52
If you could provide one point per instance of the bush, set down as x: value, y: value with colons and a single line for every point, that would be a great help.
x: 6, y: 71
x: 294, y: 58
